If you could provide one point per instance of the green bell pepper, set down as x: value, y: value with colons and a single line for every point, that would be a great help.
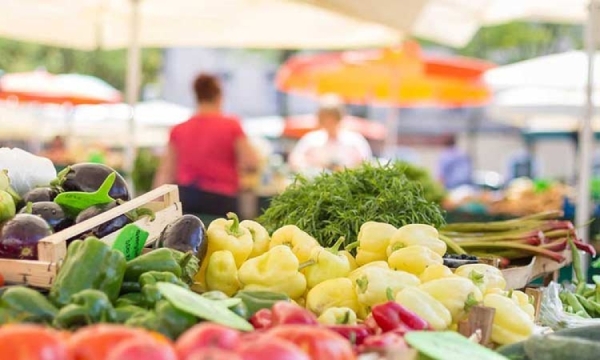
x: 148, y: 282
x: 136, y: 299
x: 165, y: 319
x: 162, y: 260
x: 125, y: 312
x: 240, y: 309
x: 90, y: 264
x: 23, y: 304
x: 87, y: 307
x: 258, y: 300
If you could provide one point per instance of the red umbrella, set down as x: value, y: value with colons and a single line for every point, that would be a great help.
x: 297, y: 126
x: 43, y: 87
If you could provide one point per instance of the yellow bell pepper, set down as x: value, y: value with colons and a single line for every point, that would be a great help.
x: 417, y: 234
x: 457, y: 294
x: 221, y: 273
x: 426, y: 306
x: 375, y: 285
x: 300, y: 242
x: 338, y: 316
x: 332, y: 293
x: 524, y: 301
x: 351, y: 259
x: 373, y: 239
x: 260, y: 237
x: 325, y: 264
x: 435, y: 271
x: 226, y: 234
x: 414, y: 259
x: 511, y: 323
x: 484, y: 276
x: 276, y: 271
x: 356, y: 273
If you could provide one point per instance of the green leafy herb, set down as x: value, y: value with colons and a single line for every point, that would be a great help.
x: 337, y: 204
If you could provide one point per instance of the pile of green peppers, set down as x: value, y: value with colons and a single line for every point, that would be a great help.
x: 97, y: 285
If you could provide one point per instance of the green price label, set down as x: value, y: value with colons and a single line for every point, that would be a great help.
x: 130, y: 241
x: 75, y: 202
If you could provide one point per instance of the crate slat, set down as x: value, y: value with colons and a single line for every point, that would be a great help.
x: 164, y: 201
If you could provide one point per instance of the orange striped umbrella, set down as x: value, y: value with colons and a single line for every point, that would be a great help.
x: 43, y: 87
x: 400, y: 77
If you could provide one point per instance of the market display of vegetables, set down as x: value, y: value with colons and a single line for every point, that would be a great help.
x: 358, y: 264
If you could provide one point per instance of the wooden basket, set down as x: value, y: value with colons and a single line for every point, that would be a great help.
x: 164, y: 201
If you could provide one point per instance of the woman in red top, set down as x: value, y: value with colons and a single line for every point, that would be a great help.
x: 206, y: 154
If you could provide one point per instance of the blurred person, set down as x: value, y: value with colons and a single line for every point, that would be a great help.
x: 455, y: 167
x: 330, y: 147
x: 207, y: 155
x: 523, y: 163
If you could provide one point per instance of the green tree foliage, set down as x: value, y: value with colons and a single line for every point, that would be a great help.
x: 108, y: 65
x: 517, y: 41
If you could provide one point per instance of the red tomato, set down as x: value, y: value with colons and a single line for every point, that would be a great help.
x: 32, y: 342
x: 272, y: 348
x: 316, y: 342
x: 96, y: 341
x: 206, y: 335
x: 142, y: 348
x: 212, y: 354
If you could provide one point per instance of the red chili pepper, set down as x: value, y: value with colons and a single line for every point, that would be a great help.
x: 355, y: 333
x: 382, y: 342
x: 289, y: 313
x: 262, y: 319
x: 391, y: 315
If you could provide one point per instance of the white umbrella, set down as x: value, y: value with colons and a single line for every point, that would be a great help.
x: 90, y: 24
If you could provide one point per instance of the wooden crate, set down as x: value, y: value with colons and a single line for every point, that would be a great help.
x: 164, y: 201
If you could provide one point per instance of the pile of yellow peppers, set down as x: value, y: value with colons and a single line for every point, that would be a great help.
x: 404, y: 264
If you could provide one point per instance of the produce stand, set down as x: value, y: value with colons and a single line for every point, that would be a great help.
x: 164, y: 201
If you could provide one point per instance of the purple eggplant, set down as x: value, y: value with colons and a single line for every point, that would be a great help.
x: 20, y: 236
x: 40, y: 194
x: 185, y: 234
x: 108, y: 227
x: 88, y: 177
x: 51, y: 212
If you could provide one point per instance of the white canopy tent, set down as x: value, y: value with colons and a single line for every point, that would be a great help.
x: 133, y: 24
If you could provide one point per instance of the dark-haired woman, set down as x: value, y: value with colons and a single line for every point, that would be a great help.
x: 206, y: 154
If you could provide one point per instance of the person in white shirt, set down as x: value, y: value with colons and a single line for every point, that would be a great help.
x: 330, y: 147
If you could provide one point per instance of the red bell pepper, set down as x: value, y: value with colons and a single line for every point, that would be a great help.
x: 391, y: 315
x: 356, y: 334
x: 271, y: 348
x: 262, y: 319
x: 287, y: 313
x: 372, y: 324
x: 383, y: 342
x: 206, y: 335
x: 316, y: 341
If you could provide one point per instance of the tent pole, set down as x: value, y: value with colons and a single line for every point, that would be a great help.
x: 586, y: 138
x: 132, y: 87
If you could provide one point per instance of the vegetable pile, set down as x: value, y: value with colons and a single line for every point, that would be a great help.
x: 394, y: 268
x: 541, y: 234
x: 334, y: 205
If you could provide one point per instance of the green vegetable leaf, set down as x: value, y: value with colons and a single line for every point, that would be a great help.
x: 194, y: 304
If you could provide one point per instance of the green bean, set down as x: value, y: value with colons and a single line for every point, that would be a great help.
x: 576, y: 305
